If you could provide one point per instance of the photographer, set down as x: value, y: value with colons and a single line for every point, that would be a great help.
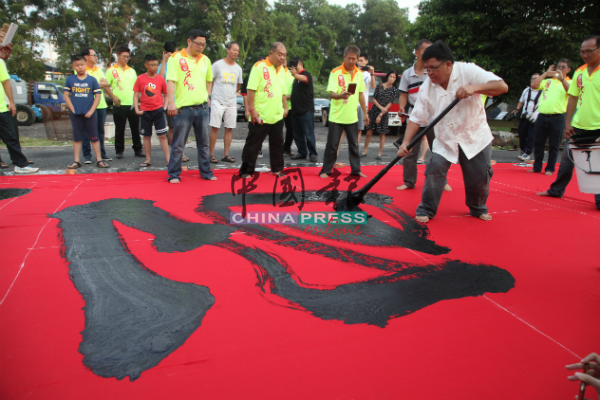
x: 529, y: 99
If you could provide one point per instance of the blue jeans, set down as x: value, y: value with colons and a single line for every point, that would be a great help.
x: 85, y: 143
x: 186, y: 118
x: 547, y: 127
x: 304, y: 133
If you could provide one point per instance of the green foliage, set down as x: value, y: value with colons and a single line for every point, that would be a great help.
x: 512, y: 38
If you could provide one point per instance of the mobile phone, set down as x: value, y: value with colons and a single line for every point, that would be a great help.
x: 293, y: 64
x: 352, y: 88
x: 365, y: 68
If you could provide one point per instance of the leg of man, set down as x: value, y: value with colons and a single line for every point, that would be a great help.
x: 308, y: 126
x: 201, y: 131
x: 540, y: 131
x: 435, y: 179
x: 352, y: 135
x: 9, y: 138
x: 230, y: 122
x: 183, y: 123
x: 86, y: 148
x: 299, y: 135
x: 276, y: 147
x: 555, y: 132
x: 597, y: 199
x: 134, y: 126
x: 565, y: 174
x: 120, y: 119
x: 101, y: 122
x: 331, y: 148
x: 409, y: 166
x: 289, y: 134
x: 523, y: 130
x: 216, y: 116
x: 530, y: 142
x: 146, y: 131
x: 256, y: 136
x: 477, y: 173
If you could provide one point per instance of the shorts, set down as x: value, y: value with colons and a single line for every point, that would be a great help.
x: 220, y: 112
x: 155, y: 118
x: 170, y: 121
x: 80, y: 124
x: 361, y: 118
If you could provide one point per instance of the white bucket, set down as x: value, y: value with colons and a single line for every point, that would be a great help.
x: 587, y: 165
x: 109, y: 130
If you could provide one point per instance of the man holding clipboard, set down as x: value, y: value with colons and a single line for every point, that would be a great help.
x: 345, y: 87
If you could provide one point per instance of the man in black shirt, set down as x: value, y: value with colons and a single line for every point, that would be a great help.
x: 303, y: 111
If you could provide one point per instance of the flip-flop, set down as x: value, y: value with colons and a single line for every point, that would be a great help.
x: 146, y: 164
x: 3, y: 164
x: 378, y: 157
x: 77, y: 165
x: 213, y: 160
x: 101, y: 164
x: 228, y: 159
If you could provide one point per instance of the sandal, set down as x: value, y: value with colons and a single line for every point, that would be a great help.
x: 185, y: 158
x: 147, y: 164
x: 74, y: 165
x: 3, y: 164
x: 213, y: 160
x: 101, y: 164
x: 228, y: 159
x: 279, y: 174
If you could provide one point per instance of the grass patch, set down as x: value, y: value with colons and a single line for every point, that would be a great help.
x: 29, y: 142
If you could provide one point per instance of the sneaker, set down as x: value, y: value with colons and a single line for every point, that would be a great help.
x: 260, y: 154
x: 521, y: 156
x: 119, y: 156
x: 106, y: 158
x: 26, y: 170
x: 87, y: 161
x: 313, y: 158
x: 525, y: 157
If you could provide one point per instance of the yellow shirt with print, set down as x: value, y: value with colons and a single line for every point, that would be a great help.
x: 190, y: 77
x: 587, y: 90
x: 289, y: 83
x: 554, y: 97
x: 269, y: 84
x: 121, y: 82
x: 344, y: 111
x: 97, y: 73
x: 3, y: 77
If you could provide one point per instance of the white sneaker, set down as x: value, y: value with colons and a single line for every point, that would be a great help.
x: 526, y: 157
x: 522, y: 155
x: 26, y: 170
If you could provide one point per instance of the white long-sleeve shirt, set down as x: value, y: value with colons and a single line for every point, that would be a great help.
x: 466, y: 124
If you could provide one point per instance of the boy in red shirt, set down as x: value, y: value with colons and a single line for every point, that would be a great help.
x: 151, y: 86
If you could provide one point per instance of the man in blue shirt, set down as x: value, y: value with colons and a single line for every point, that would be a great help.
x: 82, y: 96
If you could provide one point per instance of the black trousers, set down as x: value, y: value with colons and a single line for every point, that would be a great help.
x: 121, y: 115
x: 9, y: 137
x: 289, y: 133
x: 333, y: 142
x: 256, y: 136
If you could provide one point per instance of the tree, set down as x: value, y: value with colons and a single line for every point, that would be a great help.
x: 511, y: 38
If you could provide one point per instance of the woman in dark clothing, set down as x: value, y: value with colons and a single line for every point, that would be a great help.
x: 383, y: 98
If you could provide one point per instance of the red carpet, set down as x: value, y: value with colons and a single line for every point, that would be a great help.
x: 272, y: 334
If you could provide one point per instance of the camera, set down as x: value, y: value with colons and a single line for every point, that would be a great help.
x: 365, y: 68
x: 293, y: 64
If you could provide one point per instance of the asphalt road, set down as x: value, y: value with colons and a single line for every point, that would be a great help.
x: 54, y: 159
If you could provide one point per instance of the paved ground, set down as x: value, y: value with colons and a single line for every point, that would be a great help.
x: 55, y: 159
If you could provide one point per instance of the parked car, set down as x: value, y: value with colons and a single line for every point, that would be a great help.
x: 394, y: 121
x: 319, y: 104
x: 241, y: 111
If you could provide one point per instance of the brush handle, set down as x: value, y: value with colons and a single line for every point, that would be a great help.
x: 362, y: 191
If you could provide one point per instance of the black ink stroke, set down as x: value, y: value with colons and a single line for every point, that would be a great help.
x: 10, y: 193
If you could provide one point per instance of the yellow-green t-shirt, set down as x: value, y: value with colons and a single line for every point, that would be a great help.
x: 554, y: 97
x: 588, y: 105
x: 190, y: 77
x: 344, y: 111
x: 3, y: 77
x: 289, y: 82
x: 97, y: 73
x: 269, y: 85
x: 122, y: 82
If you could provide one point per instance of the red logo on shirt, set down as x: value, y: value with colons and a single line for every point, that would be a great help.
x: 341, y: 80
x: 580, y: 81
x: 115, y: 74
x: 183, y: 65
x: 266, y: 73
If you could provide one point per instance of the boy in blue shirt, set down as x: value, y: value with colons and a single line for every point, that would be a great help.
x: 82, y: 96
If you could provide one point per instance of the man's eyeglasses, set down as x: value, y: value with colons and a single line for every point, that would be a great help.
x: 430, y: 70
x: 588, y: 51
x: 198, y: 44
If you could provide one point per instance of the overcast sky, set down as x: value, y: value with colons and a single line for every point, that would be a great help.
x: 410, y: 4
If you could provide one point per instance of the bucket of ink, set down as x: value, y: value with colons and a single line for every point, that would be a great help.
x: 587, y: 165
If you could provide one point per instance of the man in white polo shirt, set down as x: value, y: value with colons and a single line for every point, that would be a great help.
x: 462, y: 136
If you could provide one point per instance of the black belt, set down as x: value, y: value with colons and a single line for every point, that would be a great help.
x: 196, y: 106
x: 552, y: 115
